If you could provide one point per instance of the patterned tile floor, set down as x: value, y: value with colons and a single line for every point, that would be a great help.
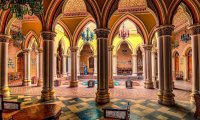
x: 138, y: 92
x: 87, y: 109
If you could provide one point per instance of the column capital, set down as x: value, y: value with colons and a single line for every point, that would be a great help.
x: 48, y: 35
x: 134, y: 55
x: 102, y: 33
x: 4, y: 38
x: 147, y: 47
x: 194, y: 29
x: 165, y: 30
x: 110, y: 48
x: 26, y: 50
x: 73, y: 49
x: 40, y: 50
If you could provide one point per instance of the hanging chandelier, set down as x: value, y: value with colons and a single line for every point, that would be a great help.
x: 123, y: 32
x: 185, y: 37
x: 87, y: 35
x: 18, y: 37
x: 22, y: 7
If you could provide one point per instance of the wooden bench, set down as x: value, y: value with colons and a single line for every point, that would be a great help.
x: 115, y: 113
x: 8, y: 106
x: 197, y: 102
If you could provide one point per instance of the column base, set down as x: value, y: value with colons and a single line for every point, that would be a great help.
x: 40, y: 83
x: 115, y: 74
x: 111, y: 84
x: 26, y: 83
x: 134, y: 74
x: 156, y: 84
x: 160, y: 97
x: 47, y: 95
x: 74, y: 84
x: 192, y: 100
x: 148, y: 85
x: 95, y: 74
x: 102, y: 96
x: 5, y: 92
x: 168, y: 99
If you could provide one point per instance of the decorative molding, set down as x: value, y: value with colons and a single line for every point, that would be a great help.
x: 133, y: 9
x: 48, y: 35
x: 110, y: 48
x: 102, y: 33
x: 195, y: 29
x: 74, y: 49
x: 4, y: 38
x: 147, y: 47
x: 165, y: 30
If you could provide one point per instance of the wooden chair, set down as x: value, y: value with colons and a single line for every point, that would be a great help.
x: 197, y: 102
x: 114, y: 113
x: 8, y: 106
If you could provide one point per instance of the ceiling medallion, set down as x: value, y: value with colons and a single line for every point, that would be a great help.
x: 87, y: 35
x: 123, y: 32
x: 22, y: 7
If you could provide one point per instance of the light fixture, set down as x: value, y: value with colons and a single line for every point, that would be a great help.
x: 22, y: 7
x: 185, y: 37
x: 87, y: 35
x: 123, y: 32
x: 18, y: 37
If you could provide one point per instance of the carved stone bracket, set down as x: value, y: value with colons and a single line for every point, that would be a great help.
x: 4, y: 38
x: 165, y: 30
x: 48, y: 35
x: 102, y: 33
x: 194, y: 30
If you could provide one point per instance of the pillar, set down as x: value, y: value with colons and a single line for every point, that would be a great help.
x: 64, y: 65
x: 74, y: 81
x: 69, y: 65
x: 114, y: 65
x: 55, y: 66
x: 154, y: 69
x: 144, y: 65
x: 95, y: 65
x: 148, y: 67
x: 110, y: 67
x: 165, y: 96
x: 4, y: 41
x: 102, y: 95
x: 186, y: 68
x: 48, y: 92
x: 134, y: 65
x: 27, y: 75
x: 195, y: 39
x: 40, y: 67
x: 78, y: 65
x: 173, y: 68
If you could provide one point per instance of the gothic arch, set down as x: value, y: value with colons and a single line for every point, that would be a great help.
x: 116, y: 48
x: 195, y: 12
x: 134, y: 20
x: 29, y: 37
x: 186, y: 49
x: 80, y: 27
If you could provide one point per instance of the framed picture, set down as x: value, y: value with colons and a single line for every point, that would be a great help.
x: 91, y: 83
x: 129, y: 84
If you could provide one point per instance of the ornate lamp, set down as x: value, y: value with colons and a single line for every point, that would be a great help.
x: 22, y: 7
x: 87, y: 35
x: 185, y: 37
x: 124, y: 32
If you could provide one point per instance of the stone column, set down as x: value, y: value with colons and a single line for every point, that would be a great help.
x: 134, y: 65
x: 95, y: 65
x: 195, y: 39
x: 148, y: 67
x: 102, y: 95
x: 69, y: 65
x: 4, y: 41
x: 173, y: 68
x: 55, y: 65
x: 64, y: 66
x: 154, y: 69
x: 78, y: 65
x: 74, y: 81
x: 110, y: 67
x: 186, y: 68
x: 114, y: 65
x: 48, y: 92
x: 27, y: 75
x: 144, y: 66
x: 165, y: 96
x: 40, y: 70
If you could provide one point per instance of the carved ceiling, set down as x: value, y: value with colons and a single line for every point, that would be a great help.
x: 73, y: 7
x: 180, y: 18
x: 131, y: 3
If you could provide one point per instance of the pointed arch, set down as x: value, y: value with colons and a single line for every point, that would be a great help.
x: 29, y: 37
x: 132, y: 18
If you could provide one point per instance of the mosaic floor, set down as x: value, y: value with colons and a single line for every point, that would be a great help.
x: 87, y: 109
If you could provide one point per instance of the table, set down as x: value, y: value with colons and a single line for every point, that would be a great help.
x: 39, y: 112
